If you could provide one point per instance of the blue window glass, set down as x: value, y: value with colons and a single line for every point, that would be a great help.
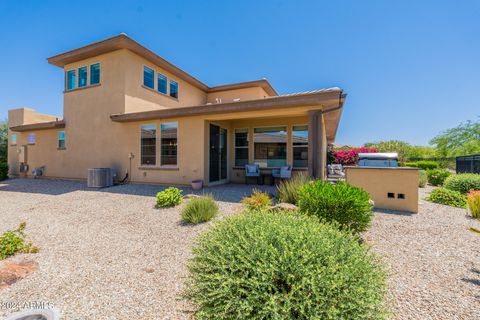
x: 95, y: 73
x: 162, y: 83
x: 173, y: 89
x: 71, y: 80
x: 61, y: 139
x: 31, y: 138
x: 82, y: 77
x: 148, y: 77
x: 13, y: 139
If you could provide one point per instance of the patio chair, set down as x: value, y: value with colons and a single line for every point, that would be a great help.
x: 252, y: 170
x: 282, y: 173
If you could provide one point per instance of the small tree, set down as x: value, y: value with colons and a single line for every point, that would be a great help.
x: 3, y: 141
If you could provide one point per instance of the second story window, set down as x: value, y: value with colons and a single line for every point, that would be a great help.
x: 173, y: 89
x: 148, y: 77
x: 82, y: 77
x: 71, y: 80
x: 95, y: 73
x: 13, y: 139
x: 61, y: 140
x: 162, y: 83
x: 31, y: 138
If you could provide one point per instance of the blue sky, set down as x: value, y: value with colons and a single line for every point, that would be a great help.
x: 410, y: 68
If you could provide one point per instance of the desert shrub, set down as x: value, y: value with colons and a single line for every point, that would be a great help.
x: 169, y: 197
x: 424, y: 165
x: 288, y: 189
x: 3, y: 170
x: 262, y: 265
x: 447, y: 197
x: 13, y: 241
x: 348, y: 205
x: 463, y: 182
x: 257, y: 200
x: 422, y: 178
x: 473, y: 201
x: 437, y: 177
x: 199, y: 210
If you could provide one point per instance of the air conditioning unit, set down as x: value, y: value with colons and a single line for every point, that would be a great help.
x: 100, y: 177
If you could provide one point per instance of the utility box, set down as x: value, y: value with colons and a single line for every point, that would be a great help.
x: 100, y: 177
x: 389, y: 187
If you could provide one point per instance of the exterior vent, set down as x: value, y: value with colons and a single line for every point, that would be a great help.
x: 100, y: 178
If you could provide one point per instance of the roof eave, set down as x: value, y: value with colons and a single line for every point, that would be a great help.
x: 39, y: 126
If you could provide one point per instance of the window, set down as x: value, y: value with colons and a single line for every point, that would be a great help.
x: 95, y: 74
x: 71, y: 80
x: 13, y: 139
x: 148, y: 144
x: 162, y: 83
x: 148, y: 77
x: 168, y: 143
x: 173, y: 89
x: 270, y: 146
x: 61, y: 140
x: 300, y: 146
x: 241, y: 147
x: 31, y: 138
x: 82, y: 77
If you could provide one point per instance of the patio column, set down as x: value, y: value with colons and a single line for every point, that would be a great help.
x: 315, y: 144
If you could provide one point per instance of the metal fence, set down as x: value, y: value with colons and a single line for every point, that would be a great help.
x: 468, y: 164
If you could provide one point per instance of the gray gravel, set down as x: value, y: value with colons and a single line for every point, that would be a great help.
x: 433, y: 261
x: 98, y: 248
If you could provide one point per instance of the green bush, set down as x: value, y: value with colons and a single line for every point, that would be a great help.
x: 448, y: 197
x: 422, y: 178
x: 262, y: 265
x: 169, y: 197
x: 199, y: 210
x: 348, y: 205
x: 288, y: 189
x: 437, y: 177
x: 257, y: 201
x: 463, y: 182
x: 424, y: 165
x: 3, y: 170
x: 13, y: 241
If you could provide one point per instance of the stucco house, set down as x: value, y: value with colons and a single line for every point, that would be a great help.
x: 129, y: 109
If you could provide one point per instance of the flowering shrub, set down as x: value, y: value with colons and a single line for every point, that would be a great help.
x: 349, y: 156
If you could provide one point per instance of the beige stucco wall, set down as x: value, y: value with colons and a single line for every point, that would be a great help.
x: 94, y: 140
x: 242, y: 94
x: 378, y: 182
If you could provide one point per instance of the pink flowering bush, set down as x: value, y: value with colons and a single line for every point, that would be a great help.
x: 349, y: 156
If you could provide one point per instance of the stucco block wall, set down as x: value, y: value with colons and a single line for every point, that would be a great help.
x: 242, y: 94
x: 139, y: 98
x: 379, y: 182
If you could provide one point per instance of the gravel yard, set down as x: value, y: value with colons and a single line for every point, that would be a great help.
x: 104, y: 254
x: 433, y: 261
x: 108, y: 254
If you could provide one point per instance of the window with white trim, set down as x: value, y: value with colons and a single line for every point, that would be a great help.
x: 31, y: 138
x: 61, y: 140
x: 300, y: 146
x: 173, y: 89
x: 148, y: 77
x: 82, y: 77
x: 13, y: 139
x: 168, y: 143
x: 241, y: 147
x: 148, y: 144
x: 71, y: 79
x: 270, y: 146
x: 162, y: 83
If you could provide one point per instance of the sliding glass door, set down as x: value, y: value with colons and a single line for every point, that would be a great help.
x: 218, y: 153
